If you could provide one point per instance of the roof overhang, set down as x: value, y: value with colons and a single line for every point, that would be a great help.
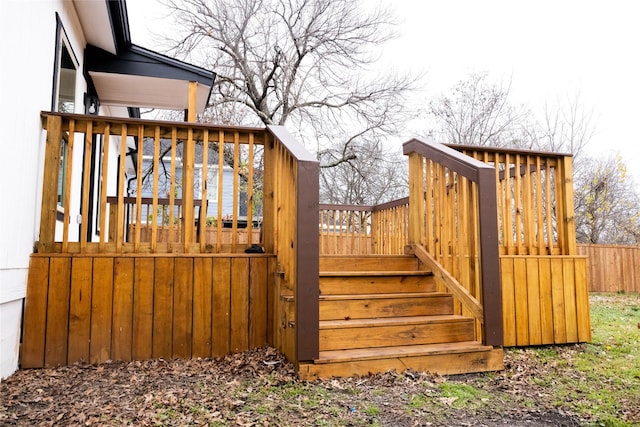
x: 139, y: 77
x: 123, y: 74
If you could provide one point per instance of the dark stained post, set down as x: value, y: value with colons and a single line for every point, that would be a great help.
x: 489, y: 258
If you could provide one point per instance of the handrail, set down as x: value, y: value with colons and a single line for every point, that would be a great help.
x: 460, y: 232
x: 290, y: 230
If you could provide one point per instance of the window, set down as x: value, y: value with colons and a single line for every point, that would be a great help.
x: 64, y: 97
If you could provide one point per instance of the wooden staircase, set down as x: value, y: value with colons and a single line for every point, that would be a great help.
x: 379, y: 313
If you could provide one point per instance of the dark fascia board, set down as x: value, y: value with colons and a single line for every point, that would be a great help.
x: 138, y: 61
x: 119, y: 24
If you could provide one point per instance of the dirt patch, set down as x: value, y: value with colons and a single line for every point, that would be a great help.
x: 259, y: 388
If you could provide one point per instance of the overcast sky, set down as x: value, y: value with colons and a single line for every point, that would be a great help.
x: 549, y: 50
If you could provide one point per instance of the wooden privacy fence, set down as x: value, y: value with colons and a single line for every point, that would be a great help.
x: 612, y: 268
x: 135, y: 307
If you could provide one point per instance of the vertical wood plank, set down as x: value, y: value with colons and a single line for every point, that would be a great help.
x: 163, y: 308
x: 172, y: 193
x: 258, y: 319
x: 271, y: 300
x: 557, y: 297
x: 236, y: 190
x: 570, y: 221
x: 220, y: 187
x: 202, y: 220
x: 119, y: 224
x: 508, y: 301
x: 101, y: 310
x: 139, y: 173
x: 202, y: 299
x: 221, y: 306
x: 35, y: 314
x: 250, y: 164
x: 86, y: 182
x: 416, y: 198
x: 103, y: 185
x: 182, y: 307
x: 570, y: 299
x: 49, y: 209
x: 533, y: 298
x: 582, y: 300
x: 58, y: 311
x: 188, y: 163
x: 67, y: 190
x: 80, y: 309
x: 156, y: 176
x: 239, y: 304
x: 546, y: 300
x: 122, y: 329
x: 143, y: 285
x: 521, y: 301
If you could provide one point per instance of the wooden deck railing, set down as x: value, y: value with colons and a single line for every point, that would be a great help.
x: 452, y: 228
x: 361, y: 230
x: 535, y: 200
x: 291, y: 194
x: 149, y: 173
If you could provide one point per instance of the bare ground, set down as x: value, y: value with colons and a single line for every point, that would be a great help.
x: 258, y: 388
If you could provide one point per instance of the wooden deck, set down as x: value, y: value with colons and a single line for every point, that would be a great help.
x: 480, y: 255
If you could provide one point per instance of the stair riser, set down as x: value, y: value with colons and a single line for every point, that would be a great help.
x: 393, y: 307
x: 443, y: 364
x: 376, y: 285
x: 355, y: 263
x: 395, y: 335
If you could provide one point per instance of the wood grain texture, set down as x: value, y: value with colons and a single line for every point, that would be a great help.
x: 101, y: 310
x: 58, y: 312
x: 143, y: 290
x: 122, y: 324
x: 182, y: 308
x: 202, y: 307
x: 35, y: 314
x: 80, y: 309
x: 163, y: 308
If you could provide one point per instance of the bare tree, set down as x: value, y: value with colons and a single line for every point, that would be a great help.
x: 567, y: 127
x: 304, y: 63
x: 378, y: 177
x: 479, y: 112
x: 607, y: 204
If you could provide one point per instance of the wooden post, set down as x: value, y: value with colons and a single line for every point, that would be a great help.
x: 86, y: 184
x: 50, y: 183
x: 268, y: 184
x: 569, y: 214
x: 416, y: 199
x: 188, y: 159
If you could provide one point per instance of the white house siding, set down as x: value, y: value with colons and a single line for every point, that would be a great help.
x: 28, y: 29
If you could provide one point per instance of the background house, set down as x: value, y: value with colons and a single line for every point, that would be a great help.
x: 67, y: 56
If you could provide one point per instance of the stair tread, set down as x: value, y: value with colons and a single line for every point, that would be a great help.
x: 397, y: 295
x: 367, y: 273
x: 392, y: 321
x: 331, y: 356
